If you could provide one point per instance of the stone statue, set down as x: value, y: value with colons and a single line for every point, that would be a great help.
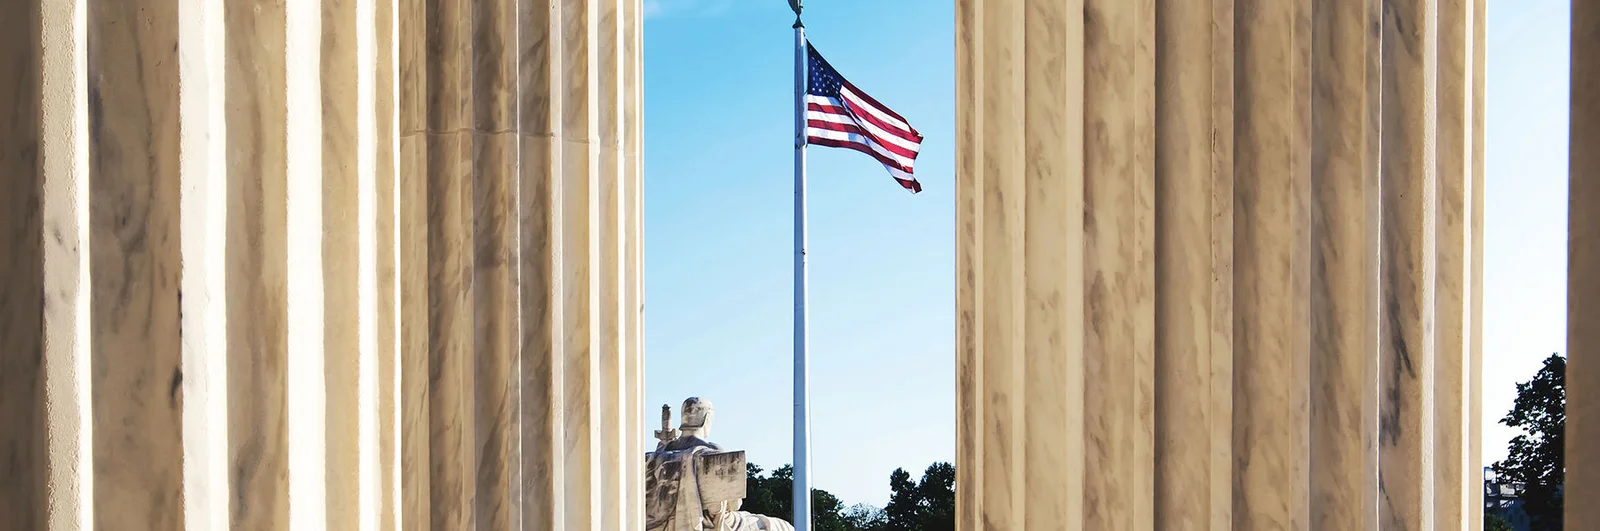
x: 695, y: 427
x: 666, y: 434
x: 691, y: 484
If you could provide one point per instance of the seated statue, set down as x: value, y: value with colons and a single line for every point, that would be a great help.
x: 691, y: 484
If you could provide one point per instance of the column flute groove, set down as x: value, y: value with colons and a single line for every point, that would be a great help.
x: 1272, y: 255
x: 1409, y: 268
x: 1457, y: 484
x: 1193, y: 263
x: 1583, y: 276
x: 1344, y: 296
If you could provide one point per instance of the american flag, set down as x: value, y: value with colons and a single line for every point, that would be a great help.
x: 840, y: 115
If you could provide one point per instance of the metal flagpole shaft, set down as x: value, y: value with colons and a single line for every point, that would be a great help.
x: 802, y: 404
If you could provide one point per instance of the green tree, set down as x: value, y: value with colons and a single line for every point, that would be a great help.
x: 769, y: 495
x: 1493, y: 522
x: 937, y: 491
x: 863, y: 517
x: 928, y: 505
x: 759, y: 494
x: 774, y: 496
x: 1536, y: 457
x: 827, y: 512
x: 901, y: 512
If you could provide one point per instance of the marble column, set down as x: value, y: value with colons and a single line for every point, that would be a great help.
x: 1457, y: 480
x: 205, y: 229
x: 385, y: 253
x: 1407, y: 317
x: 1480, y: 46
x: 44, y: 282
x: 1055, y: 275
x: 1583, y: 275
x: 1345, y: 94
x: 255, y: 261
x: 1175, y: 244
x: 1194, y: 236
x: 135, y: 378
x: 1272, y: 265
x: 517, y: 110
x: 262, y: 251
x: 347, y: 176
x: 578, y: 247
x: 494, y: 158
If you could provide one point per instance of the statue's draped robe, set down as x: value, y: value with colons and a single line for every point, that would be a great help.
x: 743, y: 521
x: 670, y: 496
x: 673, y: 491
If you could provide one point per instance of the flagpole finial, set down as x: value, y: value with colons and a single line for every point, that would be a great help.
x: 795, y: 5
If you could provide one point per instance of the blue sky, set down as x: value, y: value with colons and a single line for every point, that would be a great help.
x: 1525, y: 196
x: 718, y: 229
x: 719, y: 191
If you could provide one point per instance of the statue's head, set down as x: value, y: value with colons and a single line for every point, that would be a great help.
x: 696, y: 417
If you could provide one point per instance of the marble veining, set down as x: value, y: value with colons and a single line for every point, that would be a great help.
x: 1409, y: 208
x: 134, y: 259
x: 1262, y: 403
x: 1344, y: 288
x: 1167, y: 278
x: 24, y: 297
x: 1456, y: 481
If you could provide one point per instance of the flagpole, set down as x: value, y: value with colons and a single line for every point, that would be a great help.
x: 802, y: 402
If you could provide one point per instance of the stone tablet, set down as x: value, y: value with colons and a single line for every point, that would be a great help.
x: 722, y: 477
x: 691, y: 484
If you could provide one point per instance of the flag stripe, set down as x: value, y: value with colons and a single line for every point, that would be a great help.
x: 905, y: 154
x: 879, y: 115
x: 867, y: 145
x: 835, y: 106
x: 899, y: 146
x: 906, y: 179
x: 853, y: 91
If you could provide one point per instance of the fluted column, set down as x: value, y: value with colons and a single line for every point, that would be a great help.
x: 1458, y: 483
x: 383, y: 454
x: 44, y: 281
x: 1055, y: 270
x: 1272, y: 257
x: 265, y: 251
x: 134, y: 263
x: 1194, y: 238
x: 1345, y: 98
x: 1583, y: 275
x: 346, y: 164
x: 205, y: 229
x: 578, y: 247
x: 255, y: 261
x: 1260, y: 355
x: 1407, y: 313
x: 971, y: 426
x: 494, y: 159
x: 995, y: 437
x: 631, y: 22
x: 1480, y: 46
x: 525, y: 317
x: 411, y: 270
x: 1119, y: 271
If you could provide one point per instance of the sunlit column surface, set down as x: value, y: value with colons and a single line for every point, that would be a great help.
x: 378, y: 257
x: 1180, y: 259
